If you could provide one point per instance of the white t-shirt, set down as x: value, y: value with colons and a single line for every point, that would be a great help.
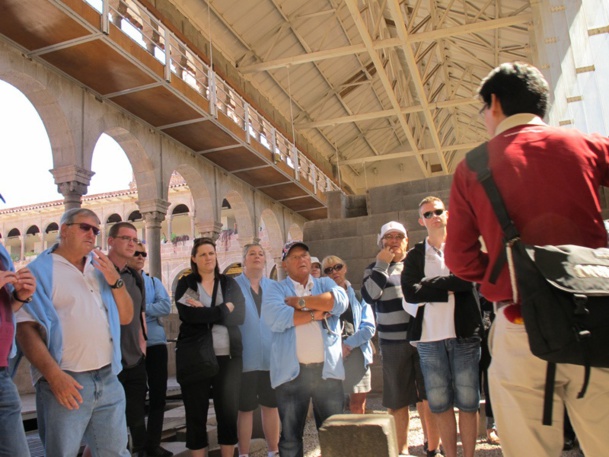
x: 439, y: 317
x: 87, y: 343
x: 309, y: 337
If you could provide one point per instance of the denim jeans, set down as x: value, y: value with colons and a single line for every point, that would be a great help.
x: 100, y: 419
x: 450, y: 371
x: 12, y: 434
x: 293, y: 402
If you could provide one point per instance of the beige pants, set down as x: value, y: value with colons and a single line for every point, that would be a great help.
x: 517, y: 381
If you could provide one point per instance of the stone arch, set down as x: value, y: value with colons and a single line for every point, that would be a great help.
x: 52, y: 114
x: 294, y: 232
x: 243, y: 227
x: 205, y: 208
x: 141, y: 163
x: 113, y: 218
x: 273, y: 235
x: 32, y: 230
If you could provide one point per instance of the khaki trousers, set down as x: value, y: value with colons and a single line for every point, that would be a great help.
x: 517, y: 381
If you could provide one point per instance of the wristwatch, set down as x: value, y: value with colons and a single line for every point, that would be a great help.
x: 118, y: 284
x: 27, y: 300
x: 301, y: 302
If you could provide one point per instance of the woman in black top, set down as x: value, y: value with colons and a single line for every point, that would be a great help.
x: 208, y: 301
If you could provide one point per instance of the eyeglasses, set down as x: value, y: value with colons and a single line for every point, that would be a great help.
x: 85, y: 227
x: 430, y: 214
x: 127, y: 238
x: 337, y: 267
x: 140, y: 253
x: 484, y: 107
x: 399, y: 237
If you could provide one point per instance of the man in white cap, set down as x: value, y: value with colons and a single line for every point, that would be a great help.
x: 382, y: 289
x: 315, y: 267
x: 303, y: 313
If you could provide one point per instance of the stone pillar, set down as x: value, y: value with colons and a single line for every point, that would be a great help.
x: 169, y: 219
x: 193, y: 233
x: 209, y: 229
x: 153, y: 212
x: 103, y: 229
x: 280, y: 271
x: 22, y: 253
x: 72, y: 182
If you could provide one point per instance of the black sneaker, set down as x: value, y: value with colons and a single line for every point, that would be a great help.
x: 435, y: 453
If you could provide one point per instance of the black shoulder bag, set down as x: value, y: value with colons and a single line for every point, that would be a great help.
x: 563, y: 291
x: 195, y: 356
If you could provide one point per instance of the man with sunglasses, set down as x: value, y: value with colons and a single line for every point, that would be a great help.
x: 303, y: 314
x: 122, y: 243
x: 549, y: 179
x: 158, y: 305
x: 381, y: 289
x: 70, y: 333
x: 446, y: 331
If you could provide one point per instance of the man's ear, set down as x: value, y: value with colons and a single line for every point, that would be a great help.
x: 421, y: 222
x: 495, y: 106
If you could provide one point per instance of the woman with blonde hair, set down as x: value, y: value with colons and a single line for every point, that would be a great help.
x: 358, y: 329
x: 256, y: 387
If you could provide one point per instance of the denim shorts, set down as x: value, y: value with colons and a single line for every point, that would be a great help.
x: 450, y: 371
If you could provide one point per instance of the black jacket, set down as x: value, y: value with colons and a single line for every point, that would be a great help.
x: 195, y: 320
x: 468, y: 320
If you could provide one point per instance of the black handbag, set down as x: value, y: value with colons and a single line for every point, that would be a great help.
x: 195, y: 356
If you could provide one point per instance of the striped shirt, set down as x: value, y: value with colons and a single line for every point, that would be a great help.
x: 382, y: 289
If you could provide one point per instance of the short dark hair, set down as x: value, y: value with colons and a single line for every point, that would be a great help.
x: 116, y: 227
x: 520, y: 87
x: 193, y: 252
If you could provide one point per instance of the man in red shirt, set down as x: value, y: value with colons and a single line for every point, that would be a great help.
x: 549, y: 179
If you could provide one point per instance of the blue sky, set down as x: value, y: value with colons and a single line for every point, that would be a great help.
x: 26, y: 154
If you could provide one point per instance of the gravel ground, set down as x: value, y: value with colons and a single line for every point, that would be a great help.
x: 415, y: 437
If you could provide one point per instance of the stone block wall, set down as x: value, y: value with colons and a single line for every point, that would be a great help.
x: 351, y: 229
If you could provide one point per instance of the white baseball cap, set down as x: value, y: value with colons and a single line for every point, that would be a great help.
x: 392, y: 226
x: 315, y: 260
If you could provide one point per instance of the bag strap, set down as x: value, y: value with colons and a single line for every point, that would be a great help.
x: 214, y: 293
x: 477, y: 160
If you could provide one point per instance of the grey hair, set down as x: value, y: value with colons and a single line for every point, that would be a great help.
x: 249, y: 246
x: 69, y: 216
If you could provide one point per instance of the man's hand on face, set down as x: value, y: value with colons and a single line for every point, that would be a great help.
x: 103, y: 263
x: 385, y: 255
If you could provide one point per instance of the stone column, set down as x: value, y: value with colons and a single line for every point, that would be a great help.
x: 153, y: 212
x: 209, y: 229
x: 169, y: 219
x: 72, y: 182
x: 280, y: 271
x: 22, y: 254
x: 193, y: 233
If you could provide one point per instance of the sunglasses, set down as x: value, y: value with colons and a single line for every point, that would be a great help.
x: 127, y: 238
x: 435, y: 212
x: 86, y: 227
x: 337, y: 267
x: 140, y: 253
